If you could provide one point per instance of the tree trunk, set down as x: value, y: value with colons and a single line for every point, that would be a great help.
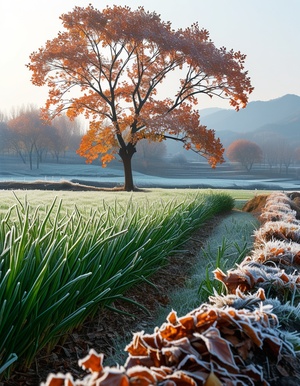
x: 30, y: 159
x: 22, y: 157
x: 126, y: 154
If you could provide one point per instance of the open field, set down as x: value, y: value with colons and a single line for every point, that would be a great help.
x: 197, y: 175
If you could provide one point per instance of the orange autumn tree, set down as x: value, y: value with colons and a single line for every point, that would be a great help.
x: 245, y: 152
x: 111, y: 66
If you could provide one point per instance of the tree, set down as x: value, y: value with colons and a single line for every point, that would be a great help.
x: 270, y: 144
x: 277, y: 151
x: 297, y: 154
x: 245, y: 152
x: 4, y: 134
x: 109, y: 65
x: 287, y: 156
x: 29, y: 135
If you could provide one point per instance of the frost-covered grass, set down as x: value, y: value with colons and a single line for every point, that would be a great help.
x: 93, y: 199
x: 228, y: 244
x: 63, y: 259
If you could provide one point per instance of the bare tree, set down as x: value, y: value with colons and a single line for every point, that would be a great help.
x: 277, y: 151
x: 28, y: 135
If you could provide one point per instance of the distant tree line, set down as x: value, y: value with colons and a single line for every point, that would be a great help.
x: 272, y: 151
x: 26, y: 135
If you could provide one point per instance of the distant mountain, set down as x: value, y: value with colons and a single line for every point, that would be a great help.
x: 209, y: 111
x: 279, y: 117
x: 290, y: 130
x: 282, y: 113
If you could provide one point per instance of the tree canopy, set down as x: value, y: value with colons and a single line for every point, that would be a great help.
x: 244, y: 151
x: 111, y: 66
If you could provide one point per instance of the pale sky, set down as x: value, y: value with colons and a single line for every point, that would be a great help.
x: 267, y: 31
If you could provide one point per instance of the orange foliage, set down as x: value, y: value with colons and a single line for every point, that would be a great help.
x: 27, y: 123
x: 209, y: 346
x: 100, y: 140
x: 107, y: 65
x: 245, y: 152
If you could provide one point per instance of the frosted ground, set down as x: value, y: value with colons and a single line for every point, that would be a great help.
x: 96, y: 175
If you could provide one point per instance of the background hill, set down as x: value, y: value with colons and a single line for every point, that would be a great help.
x: 279, y: 116
x: 255, y: 115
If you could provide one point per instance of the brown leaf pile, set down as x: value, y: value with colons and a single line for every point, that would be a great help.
x: 275, y: 260
x: 209, y: 346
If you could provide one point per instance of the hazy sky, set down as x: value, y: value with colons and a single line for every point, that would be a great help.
x: 267, y: 31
